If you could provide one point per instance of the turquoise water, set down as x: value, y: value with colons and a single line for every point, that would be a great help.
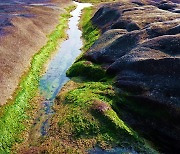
x: 55, y: 76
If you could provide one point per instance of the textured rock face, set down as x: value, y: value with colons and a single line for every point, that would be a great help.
x: 24, y: 25
x: 140, y: 45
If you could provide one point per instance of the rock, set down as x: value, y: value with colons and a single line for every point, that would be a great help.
x: 169, y: 6
x: 166, y: 6
x: 132, y: 26
x: 140, y: 46
x: 174, y: 30
x: 107, y: 38
x: 121, y: 24
x: 176, y: 10
x: 131, y: 86
x: 169, y: 44
x: 104, y: 16
x: 129, y: 16
x: 118, y: 48
x: 163, y: 28
x: 100, y: 106
x: 156, y: 122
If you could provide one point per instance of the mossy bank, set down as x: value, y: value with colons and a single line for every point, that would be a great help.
x: 14, y: 114
x: 92, y: 105
x: 86, y: 115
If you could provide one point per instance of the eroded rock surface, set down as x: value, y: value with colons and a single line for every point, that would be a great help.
x: 24, y: 26
x: 140, y: 45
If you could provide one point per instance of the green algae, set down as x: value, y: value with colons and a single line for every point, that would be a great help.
x: 86, y: 69
x: 88, y: 122
x: 90, y: 33
x: 14, y: 114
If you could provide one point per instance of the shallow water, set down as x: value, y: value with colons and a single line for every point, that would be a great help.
x: 55, y: 77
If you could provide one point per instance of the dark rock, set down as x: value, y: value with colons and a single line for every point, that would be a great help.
x: 107, y: 38
x: 132, y: 26
x: 164, y: 89
x: 105, y: 16
x: 176, y: 11
x: 5, y: 22
x: 145, y: 60
x: 172, y: 6
x: 138, y: 3
x: 148, y: 66
x: 166, y: 28
x: 121, y: 24
x: 166, y: 6
x: 174, y: 30
x: 129, y: 16
x: 117, y: 48
x: 156, y: 122
x: 131, y: 86
x: 169, y: 44
x: 130, y: 9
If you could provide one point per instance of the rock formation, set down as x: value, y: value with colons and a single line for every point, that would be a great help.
x: 24, y: 26
x: 140, y: 45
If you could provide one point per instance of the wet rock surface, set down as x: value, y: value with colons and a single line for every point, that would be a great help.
x: 140, y: 45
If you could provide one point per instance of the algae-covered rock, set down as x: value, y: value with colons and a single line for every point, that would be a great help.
x: 145, y: 59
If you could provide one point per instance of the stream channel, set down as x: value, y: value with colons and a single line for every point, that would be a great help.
x: 55, y: 77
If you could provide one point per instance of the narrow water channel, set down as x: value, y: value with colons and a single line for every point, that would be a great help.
x: 55, y: 76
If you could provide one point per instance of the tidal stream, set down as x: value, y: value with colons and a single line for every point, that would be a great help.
x: 55, y: 76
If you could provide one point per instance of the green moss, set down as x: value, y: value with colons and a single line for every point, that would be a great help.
x: 86, y: 69
x: 83, y: 126
x: 70, y: 8
x: 14, y: 114
x: 111, y: 114
x: 89, y: 122
x: 79, y: 96
x: 90, y: 32
x: 79, y: 102
x: 90, y: 35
